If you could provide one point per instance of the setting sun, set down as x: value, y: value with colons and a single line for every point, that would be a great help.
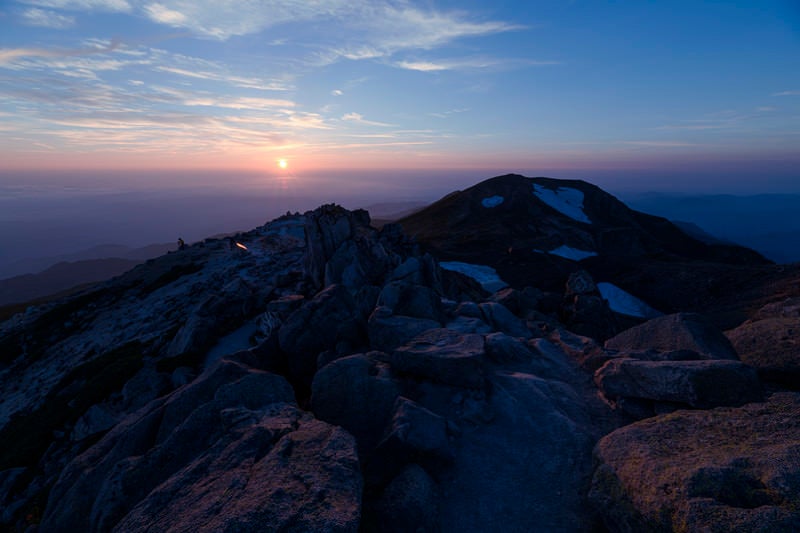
x: 282, y: 163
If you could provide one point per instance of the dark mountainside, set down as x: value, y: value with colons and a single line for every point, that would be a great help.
x: 645, y: 255
x: 44, y: 277
x: 59, y: 277
x: 318, y: 374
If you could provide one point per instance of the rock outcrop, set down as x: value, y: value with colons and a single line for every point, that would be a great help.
x: 727, y: 469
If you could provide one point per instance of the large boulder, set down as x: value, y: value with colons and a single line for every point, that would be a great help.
x: 416, y: 433
x: 770, y: 341
x: 357, y: 393
x: 320, y: 324
x: 722, y: 470
x: 526, y: 466
x: 230, y: 451
x: 680, y: 331
x: 388, y: 331
x: 700, y: 384
x: 443, y: 356
x: 412, y: 300
x: 409, y: 503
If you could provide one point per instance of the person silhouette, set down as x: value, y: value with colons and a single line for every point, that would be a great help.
x: 181, y: 244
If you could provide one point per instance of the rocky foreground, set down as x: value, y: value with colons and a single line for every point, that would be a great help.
x: 316, y: 374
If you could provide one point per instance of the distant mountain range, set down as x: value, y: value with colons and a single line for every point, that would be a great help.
x: 767, y: 223
x: 52, y: 275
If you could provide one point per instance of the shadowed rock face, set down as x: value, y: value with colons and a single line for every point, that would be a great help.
x: 332, y: 378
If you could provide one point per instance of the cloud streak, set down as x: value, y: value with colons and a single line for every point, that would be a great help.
x: 9, y: 55
x: 470, y: 64
x: 46, y: 19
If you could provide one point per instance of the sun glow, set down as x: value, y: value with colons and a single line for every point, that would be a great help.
x: 283, y: 163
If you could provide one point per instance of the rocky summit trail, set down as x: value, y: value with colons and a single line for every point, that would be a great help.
x: 318, y: 374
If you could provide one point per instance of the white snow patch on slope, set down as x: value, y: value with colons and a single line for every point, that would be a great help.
x: 485, y: 275
x: 565, y: 200
x: 492, y: 201
x: 625, y: 303
x: 571, y: 253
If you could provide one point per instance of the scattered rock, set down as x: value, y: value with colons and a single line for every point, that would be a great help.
x: 443, y: 356
x: 699, y: 384
x: 417, y: 301
x: 504, y: 349
x: 387, y: 331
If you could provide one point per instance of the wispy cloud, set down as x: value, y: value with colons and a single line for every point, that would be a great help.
x: 359, y: 119
x: 697, y: 127
x: 422, y: 66
x: 46, y: 19
x: 470, y: 64
x: 83, y: 5
x: 787, y: 93
x: 239, y: 81
x: 659, y: 144
x: 9, y: 55
x: 361, y: 29
x: 449, y: 112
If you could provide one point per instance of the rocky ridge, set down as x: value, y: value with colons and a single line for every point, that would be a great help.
x: 318, y: 374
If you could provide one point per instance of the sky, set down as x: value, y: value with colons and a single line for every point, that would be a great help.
x: 352, y: 92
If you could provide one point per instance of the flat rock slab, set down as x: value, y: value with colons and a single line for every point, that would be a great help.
x: 721, y: 470
x: 700, y: 384
x: 680, y: 331
x: 443, y: 356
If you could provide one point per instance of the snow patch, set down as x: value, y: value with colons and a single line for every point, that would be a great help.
x: 485, y: 275
x: 492, y: 201
x: 625, y: 303
x: 565, y: 200
x: 571, y: 253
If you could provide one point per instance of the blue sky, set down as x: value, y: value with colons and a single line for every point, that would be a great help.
x: 564, y: 88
